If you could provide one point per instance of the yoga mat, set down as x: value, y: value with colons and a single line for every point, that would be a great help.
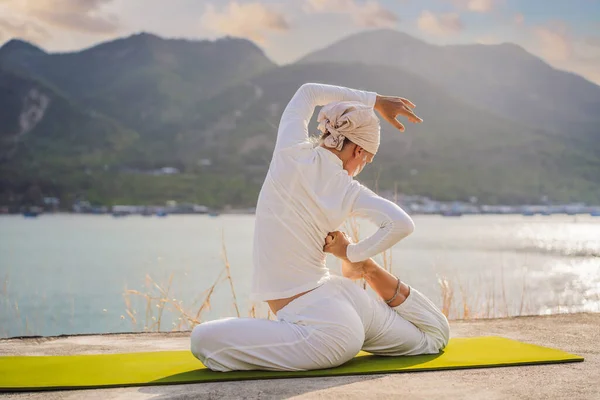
x: 32, y: 373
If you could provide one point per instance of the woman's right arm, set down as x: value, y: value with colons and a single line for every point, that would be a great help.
x: 293, y: 127
x: 393, y: 222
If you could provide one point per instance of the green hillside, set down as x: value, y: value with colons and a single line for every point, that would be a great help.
x: 97, y: 124
x: 459, y: 151
x: 46, y: 139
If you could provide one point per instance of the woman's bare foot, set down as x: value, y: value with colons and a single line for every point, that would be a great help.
x: 337, y: 243
x: 352, y: 270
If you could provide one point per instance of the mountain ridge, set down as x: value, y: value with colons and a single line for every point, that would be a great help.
x: 521, y: 86
x: 211, y: 108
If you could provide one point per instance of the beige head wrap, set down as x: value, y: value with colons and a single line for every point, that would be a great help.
x: 352, y: 120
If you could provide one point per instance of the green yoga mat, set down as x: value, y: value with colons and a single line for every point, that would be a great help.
x: 29, y: 373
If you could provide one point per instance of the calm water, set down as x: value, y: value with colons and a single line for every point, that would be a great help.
x: 68, y: 273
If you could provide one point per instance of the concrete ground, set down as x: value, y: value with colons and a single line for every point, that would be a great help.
x: 575, y: 333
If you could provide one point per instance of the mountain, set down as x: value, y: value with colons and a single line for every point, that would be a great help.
x: 98, y: 123
x: 144, y: 81
x: 45, y: 137
x: 504, y: 79
x: 52, y: 147
x: 20, y: 48
x: 35, y: 118
x: 134, y: 91
x: 459, y: 151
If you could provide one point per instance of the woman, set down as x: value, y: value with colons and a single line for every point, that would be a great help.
x: 323, y: 320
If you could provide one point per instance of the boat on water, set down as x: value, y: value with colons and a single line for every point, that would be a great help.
x: 161, y: 214
x: 451, y: 213
x: 32, y: 212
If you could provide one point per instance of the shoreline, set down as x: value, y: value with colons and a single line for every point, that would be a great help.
x: 168, y: 334
x: 218, y: 212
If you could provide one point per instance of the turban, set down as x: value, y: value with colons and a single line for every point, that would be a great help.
x: 352, y: 120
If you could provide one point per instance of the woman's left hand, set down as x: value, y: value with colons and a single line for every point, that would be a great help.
x: 390, y: 107
x: 336, y: 243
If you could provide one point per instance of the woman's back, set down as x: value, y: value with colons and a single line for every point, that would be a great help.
x: 306, y: 194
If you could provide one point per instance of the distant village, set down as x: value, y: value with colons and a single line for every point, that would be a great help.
x: 425, y: 205
x: 414, y: 205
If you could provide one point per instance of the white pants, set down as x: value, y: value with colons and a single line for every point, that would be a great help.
x: 322, y: 329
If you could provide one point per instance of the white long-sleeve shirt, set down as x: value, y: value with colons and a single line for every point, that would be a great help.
x: 306, y: 195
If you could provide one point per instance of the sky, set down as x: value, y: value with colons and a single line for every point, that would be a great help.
x: 564, y: 33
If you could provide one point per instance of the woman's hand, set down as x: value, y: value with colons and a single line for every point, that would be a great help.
x: 336, y: 243
x: 390, y: 108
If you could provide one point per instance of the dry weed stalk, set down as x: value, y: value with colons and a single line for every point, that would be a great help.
x: 523, y: 291
x: 493, y: 294
x: 5, y: 287
x: 506, y: 312
x: 447, y: 295
x: 466, y: 310
x: 228, y: 269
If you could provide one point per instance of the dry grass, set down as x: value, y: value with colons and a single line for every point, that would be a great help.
x: 472, y: 305
x: 160, y: 298
x: 468, y: 306
x: 187, y: 319
x: 485, y: 299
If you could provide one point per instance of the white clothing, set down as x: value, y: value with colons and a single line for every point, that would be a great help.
x: 322, y: 329
x: 306, y: 195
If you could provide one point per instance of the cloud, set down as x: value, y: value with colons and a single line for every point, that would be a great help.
x: 440, y: 25
x: 556, y: 44
x: 593, y: 41
x: 76, y: 15
x: 249, y: 20
x: 480, y: 6
x: 374, y: 15
x: 489, y: 39
x: 519, y: 19
x: 369, y: 14
x: 9, y: 28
